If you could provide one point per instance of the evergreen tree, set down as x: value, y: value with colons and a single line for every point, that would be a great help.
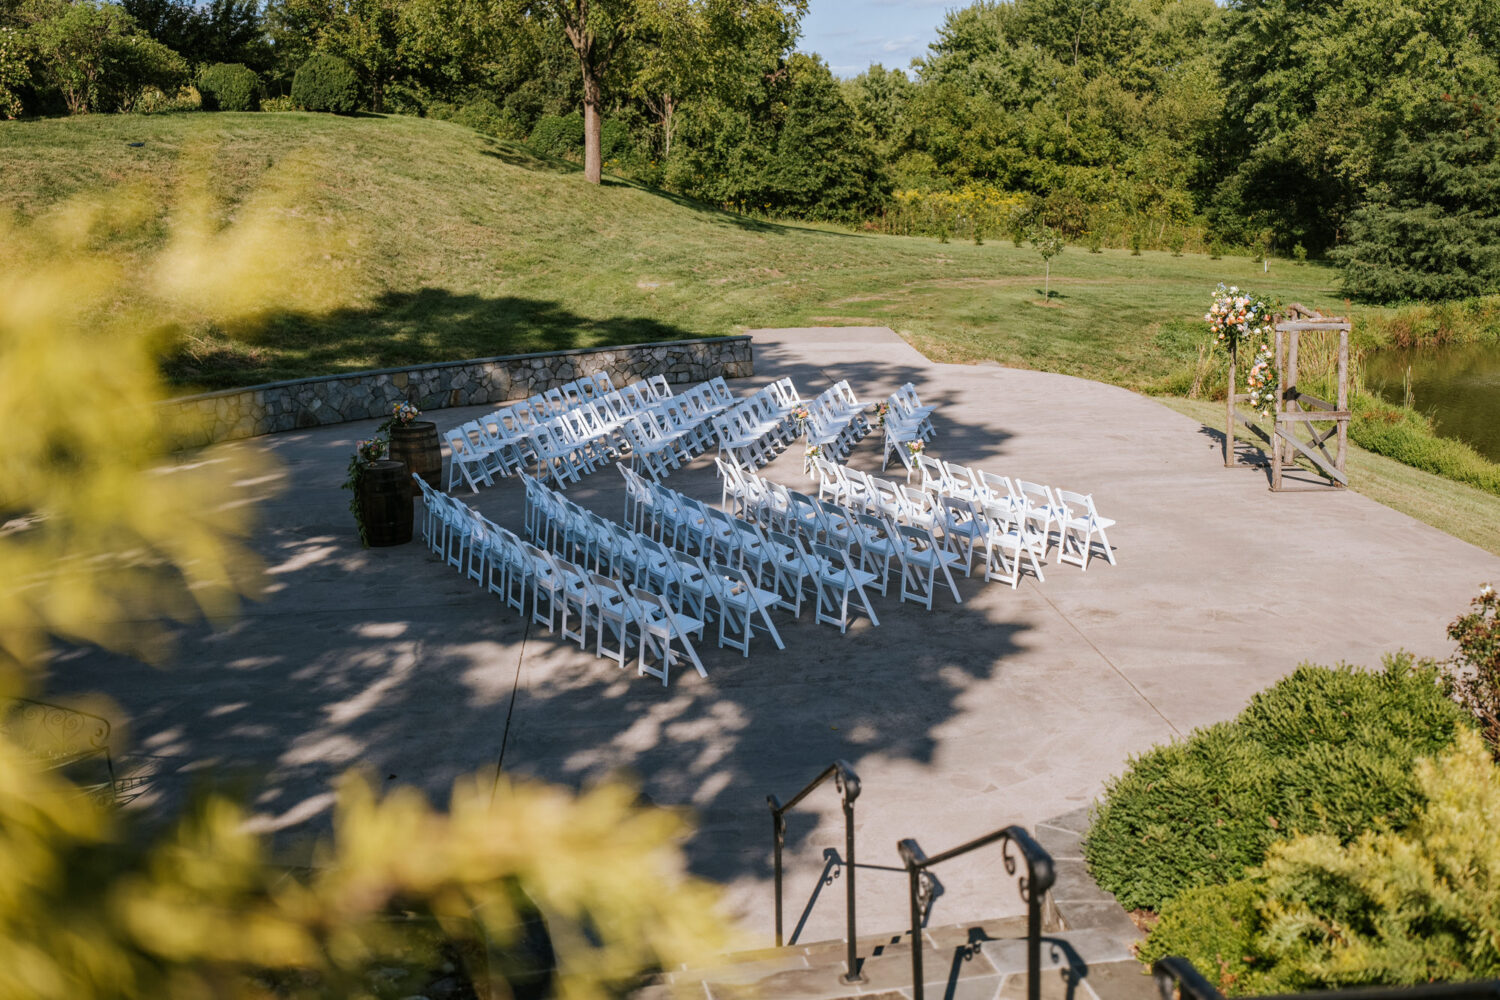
x: 1430, y: 228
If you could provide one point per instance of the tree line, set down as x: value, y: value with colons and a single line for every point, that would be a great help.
x: 1364, y: 130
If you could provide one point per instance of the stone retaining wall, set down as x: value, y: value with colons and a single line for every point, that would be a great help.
x: 309, y: 402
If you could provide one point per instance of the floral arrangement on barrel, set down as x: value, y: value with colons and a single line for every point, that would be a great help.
x: 1240, y: 317
x: 365, y: 452
x: 401, y: 414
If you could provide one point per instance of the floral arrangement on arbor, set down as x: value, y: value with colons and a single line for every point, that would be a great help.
x: 1238, y: 317
x: 1241, y: 317
x: 1263, y: 381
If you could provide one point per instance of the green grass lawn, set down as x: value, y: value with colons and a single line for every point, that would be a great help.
x: 466, y: 246
x: 460, y: 246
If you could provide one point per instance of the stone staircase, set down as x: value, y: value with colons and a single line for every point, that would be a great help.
x: 1087, y: 942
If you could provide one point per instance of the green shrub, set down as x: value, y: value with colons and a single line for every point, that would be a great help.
x: 229, y: 87
x: 1136, y: 242
x: 1476, y: 664
x: 325, y: 83
x: 558, y: 135
x: 281, y: 102
x: 154, y: 101
x: 1401, y: 433
x: 1389, y: 908
x: 1214, y: 927
x: 1322, y: 751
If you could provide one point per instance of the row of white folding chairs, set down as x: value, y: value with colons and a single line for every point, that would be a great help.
x: 519, y: 571
x: 1009, y: 521
x: 835, y: 421
x: 785, y: 564
x: 966, y: 529
x: 907, y: 426
x: 1073, y: 516
x: 1034, y: 510
x: 500, y: 444
x: 587, y: 433
x: 697, y: 587
x: 666, y: 437
x: 760, y: 426
x: 879, y: 540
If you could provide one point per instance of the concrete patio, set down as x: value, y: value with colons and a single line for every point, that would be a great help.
x: 1013, y: 707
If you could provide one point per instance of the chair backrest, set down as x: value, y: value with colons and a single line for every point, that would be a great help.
x: 916, y: 538
x: 1075, y: 503
x: 1036, y: 494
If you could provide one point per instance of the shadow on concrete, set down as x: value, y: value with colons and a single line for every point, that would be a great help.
x: 387, y: 660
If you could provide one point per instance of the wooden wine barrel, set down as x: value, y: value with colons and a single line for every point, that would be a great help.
x: 416, y: 445
x: 385, y: 499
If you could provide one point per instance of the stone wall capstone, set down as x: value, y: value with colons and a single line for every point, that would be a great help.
x: 311, y: 402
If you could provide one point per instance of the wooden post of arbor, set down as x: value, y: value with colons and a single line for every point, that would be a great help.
x: 1229, y: 401
x: 1294, y: 409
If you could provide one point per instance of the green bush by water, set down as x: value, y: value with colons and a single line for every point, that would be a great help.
x: 1325, y: 750
x: 1402, y: 433
x: 325, y: 83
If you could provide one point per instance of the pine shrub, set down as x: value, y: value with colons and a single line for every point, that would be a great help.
x: 1390, y: 907
x: 1324, y: 750
x: 325, y: 83
x: 229, y: 87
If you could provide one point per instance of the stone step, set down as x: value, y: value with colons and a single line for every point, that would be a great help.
x: 976, y: 961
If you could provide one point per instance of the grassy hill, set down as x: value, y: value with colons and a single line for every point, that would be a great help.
x: 462, y: 246
x: 465, y: 246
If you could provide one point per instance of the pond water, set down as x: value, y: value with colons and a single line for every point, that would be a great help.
x: 1458, y: 386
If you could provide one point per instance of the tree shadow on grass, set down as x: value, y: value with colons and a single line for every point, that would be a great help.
x: 400, y: 329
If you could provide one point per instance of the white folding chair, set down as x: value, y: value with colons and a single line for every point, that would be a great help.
x: 922, y: 559
x: 660, y: 627
x: 1081, y: 523
x: 838, y: 580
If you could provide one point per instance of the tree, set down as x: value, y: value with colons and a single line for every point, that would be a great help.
x: 1049, y: 243
x: 596, y: 29
x: 1430, y: 228
x: 364, y: 33
x: 674, y: 61
x: 96, y: 56
x: 219, y: 31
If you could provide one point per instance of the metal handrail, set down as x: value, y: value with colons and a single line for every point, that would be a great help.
x: 1177, y: 976
x: 1034, y: 885
x: 847, y: 782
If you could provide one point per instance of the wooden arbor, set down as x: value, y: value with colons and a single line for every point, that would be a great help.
x: 1295, y: 411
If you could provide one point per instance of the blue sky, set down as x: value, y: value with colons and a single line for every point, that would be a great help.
x: 852, y: 34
